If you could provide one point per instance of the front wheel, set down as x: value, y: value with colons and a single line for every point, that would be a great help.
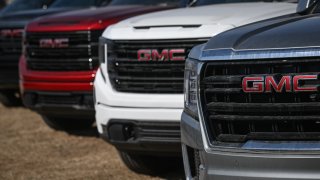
x: 150, y: 165
x: 58, y: 123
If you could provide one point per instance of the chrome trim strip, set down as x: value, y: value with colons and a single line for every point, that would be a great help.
x: 186, y: 162
x: 231, y: 54
x: 204, y: 132
x: 282, y: 145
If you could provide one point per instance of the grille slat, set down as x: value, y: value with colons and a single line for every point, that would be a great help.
x: 142, y: 69
x: 263, y: 118
x: 151, y: 130
x: 232, y: 79
x: 152, y: 79
x: 129, y: 63
x: 43, y: 99
x: 80, y: 54
x: 127, y: 74
x: 265, y: 107
x: 267, y: 136
x: 223, y: 90
x: 223, y: 80
x: 138, y: 89
x: 233, y: 116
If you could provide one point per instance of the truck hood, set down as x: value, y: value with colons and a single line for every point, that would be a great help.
x: 205, y: 21
x: 290, y: 36
x: 21, y: 18
x: 89, y: 19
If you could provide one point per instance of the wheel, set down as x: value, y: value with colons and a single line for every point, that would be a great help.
x: 150, y: 165
x: 10, y: 98
x: 67, y: 124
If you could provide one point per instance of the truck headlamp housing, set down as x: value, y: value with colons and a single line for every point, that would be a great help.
x: 191, y: 88
x: 103, y: 50
x: 24, y: 42
x: 105, y: 47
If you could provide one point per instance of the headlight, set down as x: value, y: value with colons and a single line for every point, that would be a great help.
x: 191, y: 88
x: 24, y: 42
x: 105, y: 49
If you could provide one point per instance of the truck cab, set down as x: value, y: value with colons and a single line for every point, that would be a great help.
x: 13, y: 19
x: 139, y: 86
x: 24, y: 5
x: 251, y: 101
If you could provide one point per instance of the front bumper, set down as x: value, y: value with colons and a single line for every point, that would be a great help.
x: 61, y: 104
x: 56, y: 81
x: 140, y: 129
x: 58, y: 94
x: 9, y: 74
x: 249, y: 165
x: 155, y: 118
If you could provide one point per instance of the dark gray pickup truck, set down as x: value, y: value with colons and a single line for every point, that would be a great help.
x: 13, y: 19
x: 252, y: 101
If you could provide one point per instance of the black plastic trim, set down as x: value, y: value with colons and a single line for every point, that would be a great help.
x: 146, y: 136
x: 82, y: 107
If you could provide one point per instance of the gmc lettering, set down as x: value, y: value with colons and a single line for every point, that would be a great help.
x: 268, y: 84
x: 164, y: 55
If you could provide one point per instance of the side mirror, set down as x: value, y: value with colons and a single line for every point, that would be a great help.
x: 304, y: 5
x: 187, y: 3
x: 46, y: 4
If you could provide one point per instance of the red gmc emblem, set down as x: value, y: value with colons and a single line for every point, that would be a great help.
x: 11, y: 32
x: 164, y: 55
x: 54, y: 43
x: 268, y: 84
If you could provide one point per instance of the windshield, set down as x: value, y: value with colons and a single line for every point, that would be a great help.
x: 79, y: 3
x: 21, y: 5
x: 207, y: 2
x: 146, y: 2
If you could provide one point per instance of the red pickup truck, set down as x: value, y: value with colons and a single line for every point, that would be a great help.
x: 60, y: 59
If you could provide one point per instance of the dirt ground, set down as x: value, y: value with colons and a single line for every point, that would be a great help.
x: 31, y: 150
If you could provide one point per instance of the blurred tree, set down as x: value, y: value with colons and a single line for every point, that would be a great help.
x: 3, y: 3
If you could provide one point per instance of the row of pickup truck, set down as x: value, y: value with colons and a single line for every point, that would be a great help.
x: 136, y: 68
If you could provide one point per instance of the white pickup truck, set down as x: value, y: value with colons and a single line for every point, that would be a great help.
x: 139, y: 86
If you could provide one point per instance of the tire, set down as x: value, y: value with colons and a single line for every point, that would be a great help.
x: 150, y: 165
x: 10, y: 99
x: 63, y: 124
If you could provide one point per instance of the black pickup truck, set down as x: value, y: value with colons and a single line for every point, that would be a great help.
x: 252, y: 101
x: 13, y: 19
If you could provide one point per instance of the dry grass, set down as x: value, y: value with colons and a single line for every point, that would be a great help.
x: 31, y: 150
